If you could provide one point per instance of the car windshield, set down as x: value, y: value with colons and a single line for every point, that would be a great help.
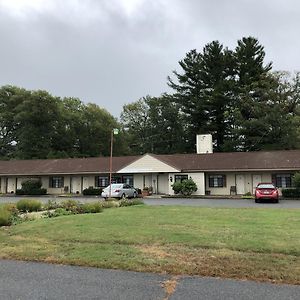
x: 266, y: 186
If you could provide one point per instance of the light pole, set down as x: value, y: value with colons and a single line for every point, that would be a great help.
x: 114, y: 131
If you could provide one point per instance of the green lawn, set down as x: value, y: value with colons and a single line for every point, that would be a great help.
x: 260, y: 244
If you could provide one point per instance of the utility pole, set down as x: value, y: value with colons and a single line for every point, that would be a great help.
x: 114, y: 131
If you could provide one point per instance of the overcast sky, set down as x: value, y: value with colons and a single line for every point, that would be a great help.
x: 113, y: 52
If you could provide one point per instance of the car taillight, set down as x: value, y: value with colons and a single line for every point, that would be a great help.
x: 117, y: 191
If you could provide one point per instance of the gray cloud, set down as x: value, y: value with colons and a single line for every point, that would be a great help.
x: 102, y: 52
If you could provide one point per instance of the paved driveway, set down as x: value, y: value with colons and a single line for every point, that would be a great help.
x: 28, y: 280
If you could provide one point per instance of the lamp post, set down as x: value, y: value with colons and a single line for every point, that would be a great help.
x: 114, y: 131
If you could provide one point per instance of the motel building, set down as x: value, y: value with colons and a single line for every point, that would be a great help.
x: 214, y: 173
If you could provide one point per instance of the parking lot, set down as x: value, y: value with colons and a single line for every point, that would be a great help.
x: 211, y: 202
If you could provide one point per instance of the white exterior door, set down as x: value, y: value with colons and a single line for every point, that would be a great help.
x: 256, y: 179
x: 240, y: 184
x: 75, y: 184
x: 85, y: 183
x: 163, y: 184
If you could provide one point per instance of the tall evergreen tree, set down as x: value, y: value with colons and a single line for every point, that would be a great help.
x: 253, y: 87
x: 204, y: 92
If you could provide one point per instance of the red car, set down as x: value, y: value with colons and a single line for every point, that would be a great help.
x: 266, y: 191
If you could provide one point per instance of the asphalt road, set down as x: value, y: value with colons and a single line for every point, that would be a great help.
x: 29, y: 280
x: 234, y: 203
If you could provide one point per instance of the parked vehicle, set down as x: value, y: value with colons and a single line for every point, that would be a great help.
x: 120, y: 191
x: 266, y: 191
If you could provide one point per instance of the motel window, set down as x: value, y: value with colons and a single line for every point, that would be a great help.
x: 217, y: 180
x: 282, y: 180
x: 180, y: 178
x: 128, y: 179
x: 101, y: 181
x: 56, y: 182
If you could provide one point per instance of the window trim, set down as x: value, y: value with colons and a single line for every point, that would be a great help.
x: 60, y: 182
x: 180, y: 177
x: 97, y: 181
x: 277, y: 180
x: 220, y: 179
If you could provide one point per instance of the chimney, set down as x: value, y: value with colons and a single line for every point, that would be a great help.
x: 204, y: 143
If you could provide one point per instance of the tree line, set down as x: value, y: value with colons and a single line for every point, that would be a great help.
x: 35, y: 124
x: 232, y: 94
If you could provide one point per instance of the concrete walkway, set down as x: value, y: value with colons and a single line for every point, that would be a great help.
x: 29, y: 280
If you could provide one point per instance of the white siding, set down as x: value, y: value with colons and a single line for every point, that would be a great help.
x: 148, y: 164
x: 138, y: 181
x: 198, y: 178
x: 230, y: 181
x: 88, y: 181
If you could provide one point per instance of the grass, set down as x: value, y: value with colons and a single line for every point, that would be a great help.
x: 258, y: 244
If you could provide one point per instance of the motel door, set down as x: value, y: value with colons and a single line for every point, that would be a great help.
x: 240, y: 184
x: 75, y: 184
x: 256, y: 179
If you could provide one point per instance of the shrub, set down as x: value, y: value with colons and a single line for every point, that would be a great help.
x: 127, y: 202
x: 73, y: 206
x: 296, y: 180
x: 29, y: 205
x: 5, y: 216
x: 92, y: 191
x: 52, y: 204
x: 291, y: 193
x: 177, y: 186
x: 31, y: 187
x: 186, y: 187
x: 110, y: 203
x: 95, y: 207
x: 57, y: 212
x: 11, y: 207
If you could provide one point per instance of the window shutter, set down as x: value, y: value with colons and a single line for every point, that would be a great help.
x: 211, y: 181
x: 224, y: 181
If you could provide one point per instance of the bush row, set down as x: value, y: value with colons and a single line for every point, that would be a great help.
x: 29, y: 205
x: 92, y: 191
x: 291, y: 193
x: 32, y: 192
x: 9, y: 213
x: 31, y: 187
